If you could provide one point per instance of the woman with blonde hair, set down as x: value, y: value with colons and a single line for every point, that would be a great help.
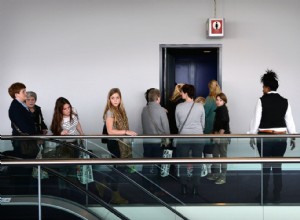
x: 116, y: 122
x: 210, y: 107
x: 174, y: 100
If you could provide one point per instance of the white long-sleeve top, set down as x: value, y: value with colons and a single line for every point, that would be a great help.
x: 254, y: 125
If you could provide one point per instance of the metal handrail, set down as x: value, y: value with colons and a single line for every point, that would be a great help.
x: 104, y: 161
x: 9, y: 137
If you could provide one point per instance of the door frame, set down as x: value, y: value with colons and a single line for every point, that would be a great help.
x: 163, y: 60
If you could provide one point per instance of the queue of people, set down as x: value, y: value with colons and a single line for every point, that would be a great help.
x: 185, y: 115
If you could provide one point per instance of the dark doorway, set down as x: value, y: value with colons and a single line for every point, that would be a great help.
x: 189, y: 64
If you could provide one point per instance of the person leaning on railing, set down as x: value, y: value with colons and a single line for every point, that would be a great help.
x: 273, y: 115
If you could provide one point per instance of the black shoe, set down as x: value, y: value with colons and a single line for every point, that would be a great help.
x: 258, y: 198
x: 195, y: 191
x: 276, y: 198
x: 184, y: 189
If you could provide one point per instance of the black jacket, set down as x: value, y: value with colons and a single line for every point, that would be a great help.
x: 22, y: 118
x: 221, y: 119
x: 39, y: 120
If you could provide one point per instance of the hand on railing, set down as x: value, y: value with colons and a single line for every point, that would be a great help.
x: 252, y: 143
x: 217, y: 140
x: 130, y: 133
x: 293, y: 144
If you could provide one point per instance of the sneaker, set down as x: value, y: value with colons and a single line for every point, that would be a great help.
x: 220, y: 181
x: 212, y: 176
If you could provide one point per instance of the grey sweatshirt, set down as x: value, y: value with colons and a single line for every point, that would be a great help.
x: 196, y: 120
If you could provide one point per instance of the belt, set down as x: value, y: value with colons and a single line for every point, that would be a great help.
x: 272, y: 132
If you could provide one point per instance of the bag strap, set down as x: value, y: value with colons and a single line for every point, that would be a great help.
x: 151, y: 118
x: 19, y: 130
x: 186, y: 118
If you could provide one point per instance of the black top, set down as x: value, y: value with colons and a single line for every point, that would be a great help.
x: 171, y: 115
x: 274, y: 108
x: 221, y: 120
x: 39, y: 120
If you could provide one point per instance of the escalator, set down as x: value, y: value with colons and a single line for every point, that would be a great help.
x: 81, y: 196
x: 25, y: 207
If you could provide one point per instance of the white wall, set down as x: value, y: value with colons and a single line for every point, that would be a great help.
x: 80, y: 49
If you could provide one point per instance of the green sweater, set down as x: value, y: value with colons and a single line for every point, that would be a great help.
x: 209, y: 107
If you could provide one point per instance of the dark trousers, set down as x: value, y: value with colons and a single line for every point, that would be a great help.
x: 183, y: 150
x: 151, y: 171
x: 113, y: 148
x: 272, y: 147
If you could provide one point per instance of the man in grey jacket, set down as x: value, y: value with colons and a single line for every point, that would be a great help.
x: 154, y: 121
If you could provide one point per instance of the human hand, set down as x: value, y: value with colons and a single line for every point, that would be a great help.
x: 252, y: 143
x: 293, y: 144
x: 216, y: 140
x: 130, y: 133
x: 64, y: 132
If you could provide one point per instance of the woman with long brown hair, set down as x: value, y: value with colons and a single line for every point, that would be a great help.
x: 65, y: 119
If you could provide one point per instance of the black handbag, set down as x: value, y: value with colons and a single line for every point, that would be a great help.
x: 104, y: 131
x: 27, y: 148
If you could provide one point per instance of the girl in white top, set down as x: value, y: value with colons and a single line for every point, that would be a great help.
x: 65, y: 119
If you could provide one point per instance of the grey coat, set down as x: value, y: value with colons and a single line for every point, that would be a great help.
x: 159, y: 117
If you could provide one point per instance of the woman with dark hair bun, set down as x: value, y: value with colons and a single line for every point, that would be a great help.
x: 273, y: 115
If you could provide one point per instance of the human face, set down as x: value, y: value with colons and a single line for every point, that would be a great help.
x: 215, y: 84
x: 115, y: 99
x: 30, y: 102
x: 66, y: 110
x: 21, y: 96
x: 219, y: 101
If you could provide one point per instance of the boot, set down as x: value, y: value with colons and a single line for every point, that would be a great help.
x: 100, y: 188
x: 118, y: 199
